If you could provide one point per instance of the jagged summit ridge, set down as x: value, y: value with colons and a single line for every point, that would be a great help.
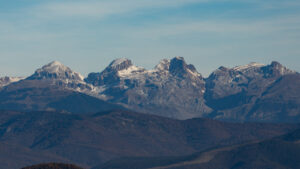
x: 178, y: 67
x: 235, y: 90
x: 175, y: 66
x: 173, y: 88
x: 120, y: 63
x: 254, y: 69
x: 248, y: 66
x: 169, y: 83
x: 163, y: 65
x: 277, y: 68
x: 123, y: 68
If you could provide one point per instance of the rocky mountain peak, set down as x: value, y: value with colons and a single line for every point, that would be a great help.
x: 55, y: 70
x: 120, y: 64
x: 178, y: 61
x: 112, y: 73
x: 163, y: 65
x: 276, y: 69
x: 54, y: 67
x: 253, y: 70
x: 223, y: 68
x: 221, y: 71
x: 178, y: 67
x: 252, y: 65
x: 276, y: 64
x: 280, y: 68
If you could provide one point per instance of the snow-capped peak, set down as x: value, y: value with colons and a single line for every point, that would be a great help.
x: 250, y: 65
x: 124, y: 68
x: 179, y: 67
x: 276, y: 67
x: 56, y: 70
x: 54, y: 67
x: 119, y: 61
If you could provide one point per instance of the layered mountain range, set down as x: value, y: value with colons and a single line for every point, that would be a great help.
x: 89, y: 140
x: 253, y: 92
x: 276, y: 153
x: 127, y: 117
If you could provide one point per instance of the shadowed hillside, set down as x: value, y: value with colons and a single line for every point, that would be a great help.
x: 91, y: 139
x: 35, y: 95
x: 277, y: 153
x: 53, y: 166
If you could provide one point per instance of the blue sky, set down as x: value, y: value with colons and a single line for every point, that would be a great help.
x: 87, y: 35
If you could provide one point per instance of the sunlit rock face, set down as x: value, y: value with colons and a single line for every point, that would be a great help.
x: 233, y: 93
x: 173, y: 88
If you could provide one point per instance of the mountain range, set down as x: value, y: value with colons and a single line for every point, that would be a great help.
x: 167, y: 117
x: 253, y: 92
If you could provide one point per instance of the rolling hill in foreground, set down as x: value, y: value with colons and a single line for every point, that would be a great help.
x: 89, y: 140
x: 277, y: 153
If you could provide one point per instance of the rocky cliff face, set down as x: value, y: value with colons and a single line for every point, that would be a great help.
x: 173, y: 88
x: 57, y: 74
x: 233, y: 92
x: 254, y: 76
x: 111, y: 75
x: 55, y: 70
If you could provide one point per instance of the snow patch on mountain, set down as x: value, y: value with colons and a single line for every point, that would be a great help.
x: 163, y: 65
x: 4, y: 81
x: 56, y: 70
x: 130, y: 71
x: 160, y: 71
x: 54, y: 67
x: 248, y: 66
x: 194, y: 73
